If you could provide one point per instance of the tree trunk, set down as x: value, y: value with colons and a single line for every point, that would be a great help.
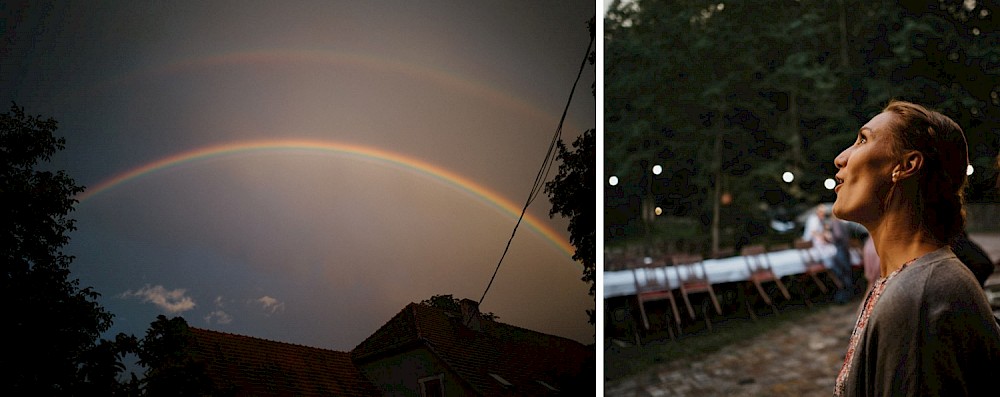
x: 842, y: 22
x: 718, y: 193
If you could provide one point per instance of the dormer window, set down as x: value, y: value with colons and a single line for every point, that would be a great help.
x: 547, y: 386
x: 432, y: 386
x: 502, y: 381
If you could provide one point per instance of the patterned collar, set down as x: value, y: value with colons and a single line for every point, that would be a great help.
x: 859, y: 326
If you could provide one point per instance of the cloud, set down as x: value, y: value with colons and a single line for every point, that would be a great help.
x: 270, y: 304
x: 172, y: 302
x: 219, y: 316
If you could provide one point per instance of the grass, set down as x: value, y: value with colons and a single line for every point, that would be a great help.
x: 621, y: 362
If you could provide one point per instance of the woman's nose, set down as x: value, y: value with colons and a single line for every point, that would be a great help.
x: 841, y: 160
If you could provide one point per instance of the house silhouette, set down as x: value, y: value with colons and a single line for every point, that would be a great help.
x: 421, y: 351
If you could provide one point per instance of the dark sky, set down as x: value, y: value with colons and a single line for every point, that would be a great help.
x: 323, y: 163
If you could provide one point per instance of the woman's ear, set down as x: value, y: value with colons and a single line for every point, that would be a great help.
x: 910, y: 165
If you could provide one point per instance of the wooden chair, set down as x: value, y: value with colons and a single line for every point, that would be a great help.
x: 815, y: 266
x: 724, y: 252
x: 651, y: 284
x: 797, y: 283
x: 779, y: 247
x: 693, y: 279
x: 755, y: 257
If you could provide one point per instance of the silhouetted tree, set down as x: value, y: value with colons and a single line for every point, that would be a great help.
x: 572, y: 194
x: 103, y: 365
x: 52, y: 325
x: 171, y: 370
x: 452, y: 304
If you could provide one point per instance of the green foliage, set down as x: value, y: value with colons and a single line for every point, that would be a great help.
x: 572, y: 195
x: 454, y: 305
x: 782, y: 88
x: 103, y: 366
x: 944, y: 54
x: 53, y: 324
x: 171, y: 370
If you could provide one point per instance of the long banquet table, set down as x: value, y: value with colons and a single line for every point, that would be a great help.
x: 724, y: 270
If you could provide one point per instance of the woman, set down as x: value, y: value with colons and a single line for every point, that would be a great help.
x: 925, y: 327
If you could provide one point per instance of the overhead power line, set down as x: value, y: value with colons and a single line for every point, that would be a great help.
x: 543, y: 171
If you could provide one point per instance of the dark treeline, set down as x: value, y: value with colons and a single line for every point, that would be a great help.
x: 727, y: 96
x: 54, y: 326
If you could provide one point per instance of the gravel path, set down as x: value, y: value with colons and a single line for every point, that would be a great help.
x: 795, y: 359
x: 798, y: 358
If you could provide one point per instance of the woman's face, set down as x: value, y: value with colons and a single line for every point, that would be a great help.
x: 865, y: 175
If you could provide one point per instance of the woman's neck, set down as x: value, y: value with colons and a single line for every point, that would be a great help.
x: 899, y: 239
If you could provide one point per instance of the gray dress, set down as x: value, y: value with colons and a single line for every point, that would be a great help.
x: 930, y: 333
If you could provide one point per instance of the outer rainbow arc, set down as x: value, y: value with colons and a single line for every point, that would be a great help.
x: 265, y: 56
x: 383, y: 156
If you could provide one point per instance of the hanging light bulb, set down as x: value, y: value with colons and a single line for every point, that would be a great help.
x: 788, y: 177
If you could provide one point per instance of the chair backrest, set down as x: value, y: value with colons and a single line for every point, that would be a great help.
x: 754, y: 249
x: 650, y: 277
x: 724, y: 252
x: 803, y: 244
x: 779, y: 247
x: 689, y: 267
x: 805, y: 248
x: 755, y: 256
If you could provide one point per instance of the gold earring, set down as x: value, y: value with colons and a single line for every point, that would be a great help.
x: 894, y: 174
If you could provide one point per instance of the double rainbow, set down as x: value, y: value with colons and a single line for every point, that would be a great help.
x: 404, y: 162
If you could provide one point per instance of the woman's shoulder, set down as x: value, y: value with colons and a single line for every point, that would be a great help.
x: 942, y: 267
x: 936, y: 275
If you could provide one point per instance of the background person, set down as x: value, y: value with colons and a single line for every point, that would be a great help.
x: 973, y: 256
x: 816, y: 229
x: 824, y: 230
x: 841, y: 240
x: 869, y: 259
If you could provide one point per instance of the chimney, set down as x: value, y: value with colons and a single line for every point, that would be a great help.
x: 470, y: 314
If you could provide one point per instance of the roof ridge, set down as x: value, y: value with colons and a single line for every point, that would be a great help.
x: 359, y: 349
x: 500, y: 323
x: 539, y: 332
x: 265, y: 339
x: 416, y: 324
x: 434, y: 350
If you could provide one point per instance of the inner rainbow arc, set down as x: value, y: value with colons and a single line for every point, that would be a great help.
x: 401, y: 161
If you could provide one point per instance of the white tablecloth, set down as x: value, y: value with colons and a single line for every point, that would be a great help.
x: 724, y: 270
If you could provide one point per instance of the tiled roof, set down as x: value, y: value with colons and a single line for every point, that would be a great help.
x: 522, y: 357
x: 259, y: 367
